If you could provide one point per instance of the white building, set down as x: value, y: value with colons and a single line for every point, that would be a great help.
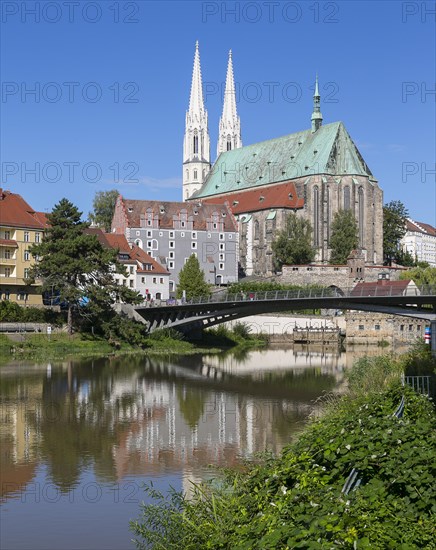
x: 420, y: 241
x: 144, y: 273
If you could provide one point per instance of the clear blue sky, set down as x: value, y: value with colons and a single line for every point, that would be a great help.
x: 375, y: 60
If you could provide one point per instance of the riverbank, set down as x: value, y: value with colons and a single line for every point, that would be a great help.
x: 296, y: 500
x: 164, y: 342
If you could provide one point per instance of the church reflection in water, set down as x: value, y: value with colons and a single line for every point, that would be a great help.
x: 148, y: 416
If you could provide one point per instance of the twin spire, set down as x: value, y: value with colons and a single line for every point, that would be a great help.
x: 229, y: 136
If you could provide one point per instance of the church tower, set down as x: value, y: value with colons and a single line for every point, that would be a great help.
x: 316, y: 115
x: 229, y: 133
x: 196, y: 145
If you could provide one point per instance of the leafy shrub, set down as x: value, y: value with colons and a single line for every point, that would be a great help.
x: 242, y: 330
x: 165, y: 333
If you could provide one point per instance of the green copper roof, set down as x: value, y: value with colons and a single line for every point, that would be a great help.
x: 329, y: 150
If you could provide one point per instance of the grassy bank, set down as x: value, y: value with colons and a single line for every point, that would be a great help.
x: 295, y: 500
x: 162, y: 342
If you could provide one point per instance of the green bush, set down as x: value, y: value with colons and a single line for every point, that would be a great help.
x: 295, y: 500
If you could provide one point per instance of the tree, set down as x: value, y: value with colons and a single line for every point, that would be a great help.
x: 192, y: 280
x: 104, y: 206
x: 293, y: 244
x: 421, y: 276
x: 405, y: 258
x: 344, y: 237
x: 74, y: 264
x: 395, y: 216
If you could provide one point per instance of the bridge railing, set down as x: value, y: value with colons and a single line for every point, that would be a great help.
x: 370, y: 290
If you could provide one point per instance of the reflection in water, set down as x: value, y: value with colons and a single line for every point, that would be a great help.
x: 136, y: 417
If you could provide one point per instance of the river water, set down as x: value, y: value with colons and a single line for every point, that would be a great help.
x: 79, y: 438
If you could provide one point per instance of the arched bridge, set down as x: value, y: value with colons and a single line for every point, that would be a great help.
x: 201, y: 313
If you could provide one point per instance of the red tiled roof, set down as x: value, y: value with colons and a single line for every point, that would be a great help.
x: 16, y: 212
x: 136, y: 254
x: 197, y: 212
x: 381, y: 288
x: 420, y: 227
x: 9, y: 242
x: 283, y: 195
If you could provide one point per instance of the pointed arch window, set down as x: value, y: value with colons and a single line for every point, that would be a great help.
x: 316, y: 216
x: 361, y: 204
x: 347, y: 202
x: 195, y: 143
x: 256, y: 229
x: 229, y: 143
x: 195, y: 174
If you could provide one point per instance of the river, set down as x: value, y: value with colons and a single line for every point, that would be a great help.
x: 79, y: 438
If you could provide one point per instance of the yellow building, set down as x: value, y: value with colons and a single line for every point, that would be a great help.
x: 20, y: 227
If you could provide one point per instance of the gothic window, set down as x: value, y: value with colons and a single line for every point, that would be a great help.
x: 316, y: 216
x: 195, y: 174
x: 195, y: 143
x: 256, y: 229
x: 361, y: 217
x: 229, y: 143
x: 327, y: 214
x: 347, y: 202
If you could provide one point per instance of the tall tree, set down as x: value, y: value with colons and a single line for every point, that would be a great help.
x: 421, y: 276
x: 395, y: 216
x: 293, y: 245
x: 104, y: 206
x: 192, y: 280
x: 76, y: 266
x: 344, y: 236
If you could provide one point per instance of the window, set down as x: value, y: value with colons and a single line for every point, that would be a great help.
x: 195, y: 175
x: 316, y: 216
x: 149, y: 244
x: 182, y: 234
x: 230, y: 236
x: 418, y: 327
x: 138, y: 233
x: 124, y: 282
x: 221, y: 266
x: 37, y: 237
x: 410, y: 327
x: 131, y: 270
x: 26, y: 273
x: 131, y: 283
x: 361, y: 327
x: 142, y: 280
x: 26, y: 237
x: 401, y: 327
x: 161, y: 280
x: 222, y: 246
x: 7, y: 254
x: 194, y: 234
x: 221, y: 257
x: 209, y: 235
x: 361, y: 217
x: 170, y: 265
x: 193, y: 245
x: 149, y: 233
x: 7, y: 271
x: 229, y: 143
x: 7, y: 235
x: 7, y: 294
x: 171, y: 234
x: 171, y: 254
x: 377, y: 327
x: 256, y: 229
x: 347, y: 198
x: 160, y: 233
x: 171, y: 244
x: 222, y: 237
x: 195, y: 143
x: 26, y: 255
x: 154, y: 280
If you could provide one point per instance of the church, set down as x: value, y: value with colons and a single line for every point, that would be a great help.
x: 314, y: 173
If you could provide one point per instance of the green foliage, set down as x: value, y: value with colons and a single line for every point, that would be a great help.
x: 242, y: 330
x: 371, y: 374
x: 75, y: 264
x: 191, y: 279
x: 405, y: 258
x: 165, y: 333
x: 421, y: 276
x: 104, y: 206
x: 293, y: 245
x: 266, y: 286
x: 395, y: 216
x: 11, y: 312
x: 344, y: 237
x: 295, y: 500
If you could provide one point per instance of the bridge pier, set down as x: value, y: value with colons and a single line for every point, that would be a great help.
x: 433, y: 338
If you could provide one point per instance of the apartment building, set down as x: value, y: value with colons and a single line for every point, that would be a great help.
x: 20, y: 227
x: 420, y: 241
x: 171, y: 232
